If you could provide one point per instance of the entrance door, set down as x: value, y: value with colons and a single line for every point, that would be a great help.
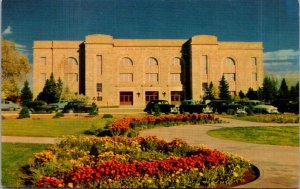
x: 126, y: 98
x: 151, y: 95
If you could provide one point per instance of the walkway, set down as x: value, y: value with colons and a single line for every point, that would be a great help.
x: 278, y: 165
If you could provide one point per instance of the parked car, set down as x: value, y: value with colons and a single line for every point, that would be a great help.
x: 161, y: 106
x: 287, y: 105
x: 39, y: 106
x: 9, y: 105
x: 193, y: 106
x: 79, y: 107
x: 265, y: 109
x: 227, y: 106
x: 60, y: 104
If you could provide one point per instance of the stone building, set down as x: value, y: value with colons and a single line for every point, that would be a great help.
x: 130, y: 72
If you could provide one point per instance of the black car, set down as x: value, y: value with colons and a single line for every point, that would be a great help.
x: 287, y: 105
x: 159, y: 106
x: 226, y: 106
x: 192, y: 106
x: 39, y: 106
x: 79, y: 107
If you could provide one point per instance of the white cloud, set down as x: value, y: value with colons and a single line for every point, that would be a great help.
x: 7, y: 31
x: 280, y: 55
x: 278, y: 63
x: 22, y: 48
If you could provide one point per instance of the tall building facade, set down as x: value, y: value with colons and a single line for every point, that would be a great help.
x: 131, y: 72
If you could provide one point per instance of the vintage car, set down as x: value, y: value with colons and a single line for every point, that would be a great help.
x: 79, y: 107
x: 162, y: 106
x: 193, y: 106
x: 39, y: 106
x: 60, y: 104
x: 227, y: 106
x: 287, y: 105
x: 265, y: 109
x: 9, y: 105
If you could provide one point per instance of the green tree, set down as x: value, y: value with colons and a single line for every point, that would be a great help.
x: 224, y: 89
x: 283, y: 92
x: 210, y: 92
x: 26, y: 94
x: 251, y: 94
x: 49, y: 93
x: 15, y: 68
x: 269, y: 90
x: 59, y: 88
x: 295, y: 92
x: 241, y: 94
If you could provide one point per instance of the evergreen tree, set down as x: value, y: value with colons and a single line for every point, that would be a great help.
x: 59, y: 88
x: 49, y: 93
x: 295, y: 92
x: 251, y: 94
x: 241, y: 94
x: 224, y: 89
x: 269, y: 89
x: 259, y: 93
x: 210, y: 92
x: 283, y: 92
x: 26, y: 94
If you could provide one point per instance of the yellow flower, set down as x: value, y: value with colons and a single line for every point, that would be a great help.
x: 177, y: 181
x: 173, y: 175
x: 150, y: 181
x: 70, y: 185
x: 201, y: 174
x: 60, y: 186
x: 235, y: 174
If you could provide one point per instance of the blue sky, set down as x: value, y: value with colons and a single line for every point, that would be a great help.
x: 274, y: 22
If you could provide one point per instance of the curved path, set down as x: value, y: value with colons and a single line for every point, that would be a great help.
x: 278, y: 165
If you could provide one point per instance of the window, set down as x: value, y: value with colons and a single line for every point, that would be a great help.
x: 43, y: 60
x: 126, y: 77
x: 204, y: 62
x: 229, y: 61
x: 229, y: 76
x: 152, y: 62
x: 99, y: 64
x: 99, y: 87
x: 126, y: 98
x: 254, y: 76
x: 204, y: 87
x: 99, y: 98
x: 72, y: 60
x: 151, y: 95
x: 176, y: 97
x: 176, y: 62
x: 253, y: 61
x: 151, y: 77
x: 175, y: 77
x: 126, y: 62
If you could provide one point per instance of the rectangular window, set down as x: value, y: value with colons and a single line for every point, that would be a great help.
x: 253, y: 61
x: 151, y: 95
x: 229, y: 76
x: 126, y: 77
x: 254, y: 76
x: 99, y: 87
x: 175, y: 77
x: 176, y: 97
x: 99, y: 64
x: 204, y: 87
x: 204, y: 63
x: 43, y: 60
x: 126, y: 98
x: 99, y: 98
x: 151, y: 77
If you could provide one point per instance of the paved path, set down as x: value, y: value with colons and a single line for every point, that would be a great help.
x: 278, y: 165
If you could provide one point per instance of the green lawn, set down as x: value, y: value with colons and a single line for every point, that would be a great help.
x: 14, y: 156
x: 268, y: 118
x: 50, y: 127
x: 279, y: 135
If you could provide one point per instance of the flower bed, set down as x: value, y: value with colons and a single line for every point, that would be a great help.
x: 122, y: 162
x: 126, y: 124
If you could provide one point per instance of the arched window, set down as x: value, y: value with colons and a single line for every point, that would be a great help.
x: 176, y: 61
x: 152, y: 62
x: 126, y: 62
x: 229, y: 61
x: 72, y: 61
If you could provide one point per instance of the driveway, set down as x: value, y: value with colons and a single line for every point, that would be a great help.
x: 278, y: 165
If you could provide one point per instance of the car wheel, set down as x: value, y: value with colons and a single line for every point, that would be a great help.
x: 71, y: 111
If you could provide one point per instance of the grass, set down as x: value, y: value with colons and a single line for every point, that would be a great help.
x: 14, y: 156
x: 50, y: 127
x: 268, y: 118
x: 279, y: 135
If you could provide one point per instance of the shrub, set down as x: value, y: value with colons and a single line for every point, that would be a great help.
x: 230, y: 112
x: 93, y: 111
x: 24, y: 113
x: 107, y: 116
x: 58, y: 115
